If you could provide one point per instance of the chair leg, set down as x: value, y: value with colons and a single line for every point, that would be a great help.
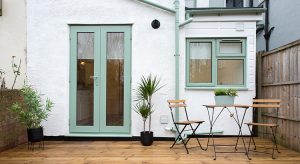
x: 251, y: 138
x: 274, y: 131
x: 180, y: 137
x: 194, y: 133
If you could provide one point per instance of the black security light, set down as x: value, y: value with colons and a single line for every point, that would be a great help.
x: 155, y: 24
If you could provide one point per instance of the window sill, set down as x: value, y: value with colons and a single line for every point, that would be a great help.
x: 213, y: 88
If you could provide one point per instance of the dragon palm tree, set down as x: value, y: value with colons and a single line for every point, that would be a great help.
x: 145, y: 90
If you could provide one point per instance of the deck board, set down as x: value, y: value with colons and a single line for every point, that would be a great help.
x: 132, y: 152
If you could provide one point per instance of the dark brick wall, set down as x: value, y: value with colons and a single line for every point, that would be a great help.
x: 11, y: 132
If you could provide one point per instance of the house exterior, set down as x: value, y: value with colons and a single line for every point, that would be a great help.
x: 88, y: 57
x: 12, y: 40
x: 282, y: 24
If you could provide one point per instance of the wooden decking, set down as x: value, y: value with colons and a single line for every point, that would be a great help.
x: 132, y: 152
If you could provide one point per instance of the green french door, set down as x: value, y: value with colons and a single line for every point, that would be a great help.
x: 100, y: 79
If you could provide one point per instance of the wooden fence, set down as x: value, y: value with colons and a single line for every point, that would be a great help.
x: 278, y: 76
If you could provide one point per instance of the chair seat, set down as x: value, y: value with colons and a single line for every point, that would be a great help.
x: 197, y: 121
x: 184, y: 122
x: 189, y: 122
x: 261, y: 124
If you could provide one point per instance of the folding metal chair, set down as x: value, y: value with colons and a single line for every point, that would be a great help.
x: 271, y: 104
x: 173, y: 104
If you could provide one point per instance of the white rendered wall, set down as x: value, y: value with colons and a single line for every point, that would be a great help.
x: 220, y: 27
x: 13, y: 39
x: 203, y: 3
x: 152, y: 52
x: 49, y: 55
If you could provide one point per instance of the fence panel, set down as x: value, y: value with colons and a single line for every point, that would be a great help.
x: 278, y: 76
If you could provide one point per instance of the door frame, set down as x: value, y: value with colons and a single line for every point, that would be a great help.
x: 99, y: 64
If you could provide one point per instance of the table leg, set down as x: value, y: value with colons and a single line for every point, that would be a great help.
x: 240, y: 124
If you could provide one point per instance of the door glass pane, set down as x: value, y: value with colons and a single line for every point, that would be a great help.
x: 115, y: 79
x: 85, y: 81
x: 233, y: 48
x: 200, y: 62
x: 231, y: 72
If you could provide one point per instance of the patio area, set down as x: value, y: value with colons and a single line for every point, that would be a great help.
x: 134, y: 152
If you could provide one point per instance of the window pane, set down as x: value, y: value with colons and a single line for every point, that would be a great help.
x: 234, y: 3
x: 231, y: 72
x: 115, y: 79
x: 227, y: 48
x: 200, y: 62
x: 85, y: 82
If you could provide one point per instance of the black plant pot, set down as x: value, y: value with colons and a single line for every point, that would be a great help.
x: 35, y: 135
x: 147, y: 138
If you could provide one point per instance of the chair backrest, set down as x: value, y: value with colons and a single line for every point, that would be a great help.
x: 270, y: 105
x: 173, y: 104
x: 266, y: 103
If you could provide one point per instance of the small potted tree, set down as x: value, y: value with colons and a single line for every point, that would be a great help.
x: 31, y: 112
x: 144, y: 110
x: 225, y: 96
x: 144, y: 107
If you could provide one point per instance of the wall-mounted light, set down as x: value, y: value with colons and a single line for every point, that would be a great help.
x: 0, y: 7
x: 155, y: 24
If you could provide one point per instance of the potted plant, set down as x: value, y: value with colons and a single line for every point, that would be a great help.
x: 225, y: 96
x: 144, y: 107
x: 31, y: 112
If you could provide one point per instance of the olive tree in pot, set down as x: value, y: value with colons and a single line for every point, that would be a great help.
x: 144, y: 107
x: 31, y: 112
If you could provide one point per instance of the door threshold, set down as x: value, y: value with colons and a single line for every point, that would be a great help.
x: 97, y: 135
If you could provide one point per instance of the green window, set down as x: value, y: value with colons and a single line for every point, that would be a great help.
x: 216, y: 63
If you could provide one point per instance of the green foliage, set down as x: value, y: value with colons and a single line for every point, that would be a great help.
x: 220, y: 92
x: 147, y: 87
x: 225, y: 92
x: 31, y: 112
x: 144, y: 110
x: 231, y: 92
x: 144, y: 92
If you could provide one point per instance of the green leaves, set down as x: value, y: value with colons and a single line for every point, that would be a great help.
x: 144, y: 92
x: 231, y: 92
x: 143, y: 109
x: 31, y: 111
x: 225, y: 92
x: 147, y: 87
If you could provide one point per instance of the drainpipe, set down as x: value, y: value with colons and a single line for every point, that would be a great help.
x: 267, y: 25
x: 158, y: 6
x: 186, y: 22
x: 176, y: 4
x: 268, y: 31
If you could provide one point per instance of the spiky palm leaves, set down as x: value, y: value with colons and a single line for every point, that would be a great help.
x: 144, y: 92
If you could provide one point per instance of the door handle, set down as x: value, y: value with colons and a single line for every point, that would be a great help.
x: 96, y: 81
x: 94, y: 77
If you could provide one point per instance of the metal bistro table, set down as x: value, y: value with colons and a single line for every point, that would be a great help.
x: 235, y: 116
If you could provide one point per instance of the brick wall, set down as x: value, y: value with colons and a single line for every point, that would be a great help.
x: 11, y: 132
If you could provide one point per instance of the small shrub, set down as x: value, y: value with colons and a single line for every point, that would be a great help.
x: 225, y: 92
x: 231, y: 92
x: 220, y: 92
